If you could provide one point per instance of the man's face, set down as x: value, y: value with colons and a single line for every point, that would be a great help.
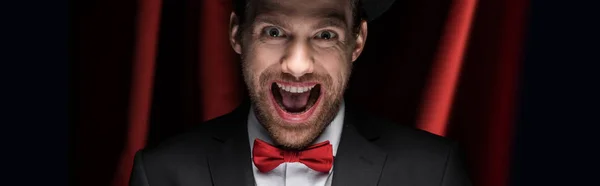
x: 297, y: 57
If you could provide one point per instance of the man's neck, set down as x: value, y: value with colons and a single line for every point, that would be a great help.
x: 332, y: 132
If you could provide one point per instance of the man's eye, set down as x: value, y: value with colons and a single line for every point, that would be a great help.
x: 273, y: 32
x: 326, y: 35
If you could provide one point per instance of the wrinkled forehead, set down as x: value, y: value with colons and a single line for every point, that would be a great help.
x: 305, y: 9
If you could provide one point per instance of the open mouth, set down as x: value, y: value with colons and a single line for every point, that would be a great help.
x: 295, y: 101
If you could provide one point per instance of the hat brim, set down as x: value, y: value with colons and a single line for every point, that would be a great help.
x: 375, y: 8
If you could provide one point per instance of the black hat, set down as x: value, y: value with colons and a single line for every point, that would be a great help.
x: 374, y: 8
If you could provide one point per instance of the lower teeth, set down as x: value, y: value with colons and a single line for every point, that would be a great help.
x: 312, y: 98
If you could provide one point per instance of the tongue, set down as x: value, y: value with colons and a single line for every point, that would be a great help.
x: 294, y: 102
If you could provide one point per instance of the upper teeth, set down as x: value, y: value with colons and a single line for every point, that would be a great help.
x: 295, y: 89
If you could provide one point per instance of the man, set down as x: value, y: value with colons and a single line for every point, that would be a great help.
x: 297, y: 129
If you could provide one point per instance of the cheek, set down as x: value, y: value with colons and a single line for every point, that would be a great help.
x: 260, y: 56
x: 335, y: 61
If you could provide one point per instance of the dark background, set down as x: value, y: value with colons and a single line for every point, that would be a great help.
x: 389, y: 80
x: 557, y: 126
x: 555, y: 136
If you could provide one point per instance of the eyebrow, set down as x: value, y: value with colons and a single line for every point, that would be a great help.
x: 327, y: 22
x: 272, y: 20
x: 329, y: 16
x: 331, y: 19
x: 331, y: 22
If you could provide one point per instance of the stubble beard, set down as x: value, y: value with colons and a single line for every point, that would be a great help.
x: 286, y: 135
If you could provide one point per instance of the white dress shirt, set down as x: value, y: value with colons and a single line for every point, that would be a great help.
x: 294, y: 173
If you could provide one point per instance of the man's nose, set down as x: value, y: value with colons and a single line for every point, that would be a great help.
x: 298, y: 59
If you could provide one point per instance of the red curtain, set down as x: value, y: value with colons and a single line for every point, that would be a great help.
x: 452, y: 69
x: 147, y: 28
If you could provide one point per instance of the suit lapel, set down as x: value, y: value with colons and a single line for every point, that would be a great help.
x: 230, y: 163
x: 358, y: 161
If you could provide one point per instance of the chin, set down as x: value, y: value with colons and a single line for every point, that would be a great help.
x: 294, y: 114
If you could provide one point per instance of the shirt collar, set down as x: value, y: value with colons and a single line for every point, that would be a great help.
x: 332, y: 133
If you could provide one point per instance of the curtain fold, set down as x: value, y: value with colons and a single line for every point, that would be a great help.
x: 452, y: 69
x: 148, y: 21
x: 440, y: 90
x: 503, y: 111
x: 218, y: 69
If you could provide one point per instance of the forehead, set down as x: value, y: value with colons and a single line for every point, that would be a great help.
x: 339, y: 9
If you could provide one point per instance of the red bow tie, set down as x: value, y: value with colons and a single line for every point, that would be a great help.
x: 318, y: 157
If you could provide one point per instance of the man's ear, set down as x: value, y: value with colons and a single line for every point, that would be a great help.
x: 234, y: 28
x: 361, y: 39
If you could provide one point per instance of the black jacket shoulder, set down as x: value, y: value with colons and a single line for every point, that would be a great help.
x: 192, y: 145
x: 396, y: 138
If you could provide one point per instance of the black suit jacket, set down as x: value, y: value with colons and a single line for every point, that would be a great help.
x: 372, y: 151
